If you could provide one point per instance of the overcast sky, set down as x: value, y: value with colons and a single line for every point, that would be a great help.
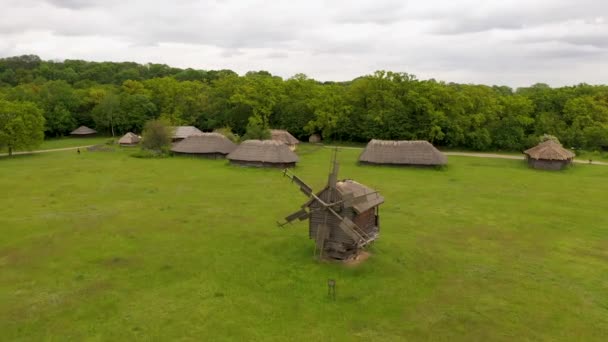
x: 511, y: 42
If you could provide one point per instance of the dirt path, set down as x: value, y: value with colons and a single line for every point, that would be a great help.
x: 486, y: 155
x: 45, y: 151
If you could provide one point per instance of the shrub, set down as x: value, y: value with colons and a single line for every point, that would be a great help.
x: 227, y: 132
x: 546, y: 137
x: 256, y: 129
x: 156, y: 136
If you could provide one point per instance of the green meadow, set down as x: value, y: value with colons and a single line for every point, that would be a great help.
x: 102, y: 246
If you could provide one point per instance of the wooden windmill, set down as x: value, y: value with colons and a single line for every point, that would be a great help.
x: 343, y: 216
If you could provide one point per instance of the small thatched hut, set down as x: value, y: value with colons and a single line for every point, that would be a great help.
x: 207, y: 145
x: 284, y: 137
x: 129, y: 139
x: 549, y: 155
x: 263, y: 153
x: 182, y: 132
x: 402, y: 152
x: 314, y: 139
x: 83, y: 131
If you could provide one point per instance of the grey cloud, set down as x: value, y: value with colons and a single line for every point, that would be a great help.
x: 379, y: 12
x: 454, y: 40
x: 277, y: 55
x: 79, y: 4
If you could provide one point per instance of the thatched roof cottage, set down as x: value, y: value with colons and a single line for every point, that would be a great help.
x: 284, y: 137
x: 207, y: 145
x: 263, y: 153
x: 314, y: 139
x: 402, y: 152
x: 129, y: 139
x: 83, y: 131
x: 549, y: 155
x: 182, y: 132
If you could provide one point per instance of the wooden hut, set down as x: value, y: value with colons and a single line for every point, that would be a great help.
x: 343, y: 216
x: 83, y: 131
x: 314, y: 139
x: 263, y: 153
x: 206, y: 145
x: 182, y: 132
x: 284, y: 137
x: 129, y: 139
x: 549, y: 155
x: 402, y: 152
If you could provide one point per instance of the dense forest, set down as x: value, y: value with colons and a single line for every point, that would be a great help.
x: 120, y: 97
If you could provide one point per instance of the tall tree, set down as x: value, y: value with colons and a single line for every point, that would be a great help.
x: 21, y: 125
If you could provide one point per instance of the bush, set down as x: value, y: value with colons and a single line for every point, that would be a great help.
x: 156, y: 136
x: 546, y: 137
x: 256, y: 129
x: 227, y: 132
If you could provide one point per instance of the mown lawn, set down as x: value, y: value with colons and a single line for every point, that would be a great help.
x: 103, y: 246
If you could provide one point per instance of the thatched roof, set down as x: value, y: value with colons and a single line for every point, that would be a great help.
x: 315, y: 138
x: 283, y: 136
x: 549, y: 150
x: 205, y: 143
x: 182, y: 132
x: 129, y: 139
x: 267, y: 151
x: 83, y: 130
x: 402, y: 152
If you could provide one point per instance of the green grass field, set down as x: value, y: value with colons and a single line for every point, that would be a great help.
x: 103, y: 246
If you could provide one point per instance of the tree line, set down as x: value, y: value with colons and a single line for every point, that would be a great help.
x: 120, y: 97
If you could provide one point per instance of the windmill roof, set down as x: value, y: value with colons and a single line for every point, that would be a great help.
x: 368, y: 197
x: 83, y: 130
x: 205, y: 143
x: 129, y: 138
x: 268, y: 151
x: 364, y: 197
x: 549, y: 150
x: 402, y: 152
x: 182, y: 132
x: 283, y: 136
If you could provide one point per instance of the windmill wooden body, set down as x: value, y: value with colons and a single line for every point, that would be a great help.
x: 343, y: 216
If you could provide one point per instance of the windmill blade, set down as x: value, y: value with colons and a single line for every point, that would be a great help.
x: 305, y: 188
x: 301, y: 215
x: 321, y: 236
x: 335, y: 167
x: 349, y: 227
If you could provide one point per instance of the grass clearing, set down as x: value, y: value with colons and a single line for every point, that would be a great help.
x: 64, y: 142
x: 105, y: 246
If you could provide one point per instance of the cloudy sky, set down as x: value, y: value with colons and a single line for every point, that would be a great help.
x: 511, y: 42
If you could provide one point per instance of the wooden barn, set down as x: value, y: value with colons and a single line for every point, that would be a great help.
x: 549, y: 155
x: 263, y: 153
x: 83, y: 131
x: 343, y: 216
x: 402, y: 152
x: 182, y: 132
x: 130, y: 139
x: 284, y: 137
x: 206, y: 145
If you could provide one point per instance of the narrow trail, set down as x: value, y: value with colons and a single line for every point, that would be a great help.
x: 485, y: 155
x: 45, y: 151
